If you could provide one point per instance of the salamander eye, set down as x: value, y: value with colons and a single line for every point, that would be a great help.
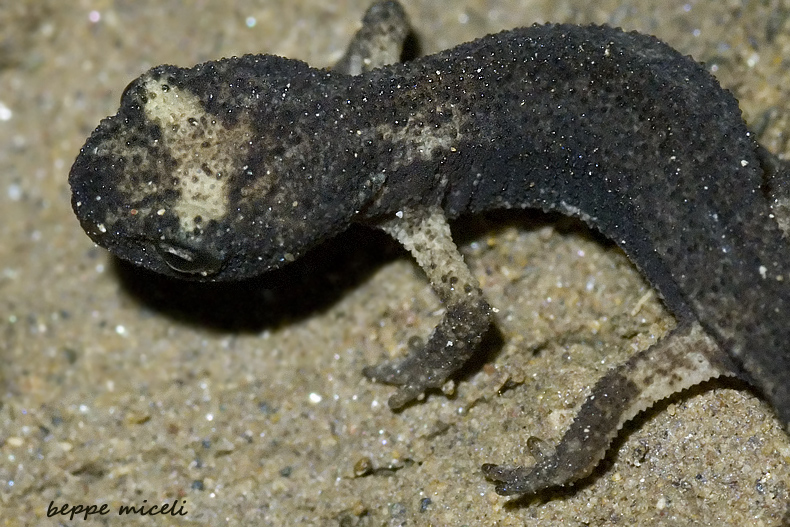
x: 132, y: 89
x: 126, y: 90
x: 189, y: 261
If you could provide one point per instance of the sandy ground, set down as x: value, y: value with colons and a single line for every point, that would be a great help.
x: 245, y: 405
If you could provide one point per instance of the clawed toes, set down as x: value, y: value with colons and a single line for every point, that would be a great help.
x: 404, y: 396
x: 412, y: 377
x: 494, y: 472
x: 386, y: 373
x: 504, y: 477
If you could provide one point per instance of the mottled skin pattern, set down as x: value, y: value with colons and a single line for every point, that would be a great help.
x: 238, y: 166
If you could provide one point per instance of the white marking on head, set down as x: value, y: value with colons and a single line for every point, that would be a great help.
x: 207, y: 152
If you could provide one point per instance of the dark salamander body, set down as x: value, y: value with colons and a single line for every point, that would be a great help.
x: 238, y: 166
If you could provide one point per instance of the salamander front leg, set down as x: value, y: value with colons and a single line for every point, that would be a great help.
x: 426, y: 235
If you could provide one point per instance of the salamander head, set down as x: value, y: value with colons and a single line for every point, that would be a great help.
x: 194, y: 176
x: 152, y: 182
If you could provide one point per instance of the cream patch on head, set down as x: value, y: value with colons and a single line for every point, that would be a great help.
x: 207, y: 153
x: 419, y: 138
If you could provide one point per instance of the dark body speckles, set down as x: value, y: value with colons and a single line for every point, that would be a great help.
x: 238, y: 166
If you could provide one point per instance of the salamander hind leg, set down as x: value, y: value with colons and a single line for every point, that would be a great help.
x: 684, y: 358
x: 426, y: 235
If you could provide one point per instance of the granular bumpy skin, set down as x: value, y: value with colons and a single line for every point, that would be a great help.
x: 238, y: 166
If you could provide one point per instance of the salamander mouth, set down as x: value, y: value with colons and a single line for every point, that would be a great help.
x: 188, y: 261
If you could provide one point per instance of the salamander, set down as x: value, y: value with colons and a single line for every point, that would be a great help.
x: 238, y: 166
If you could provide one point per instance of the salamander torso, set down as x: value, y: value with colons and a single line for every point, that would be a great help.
x: 238, y: 166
